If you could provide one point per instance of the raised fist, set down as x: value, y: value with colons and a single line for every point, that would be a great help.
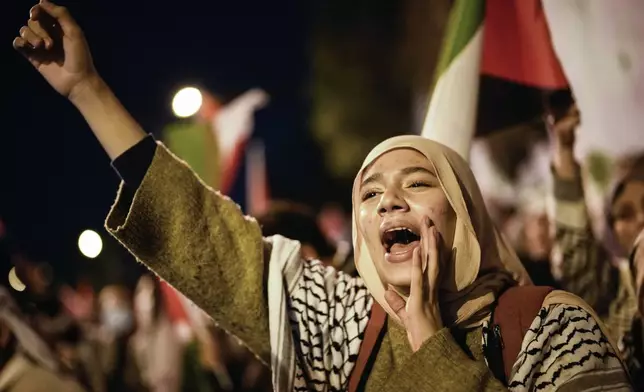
x: 55, y: 45
x: 564, y: 128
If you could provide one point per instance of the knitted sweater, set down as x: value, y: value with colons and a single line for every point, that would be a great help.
x: 583, y: 265
x: 199, y: 241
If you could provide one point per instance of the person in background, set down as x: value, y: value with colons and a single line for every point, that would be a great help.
x: 81, y: 342
x: 297, y: 221
x: 534, y: 242
x: 154, y: 345
x: 116, y: 325
x: 205, y: 359
x: 336, y: 226
x: 80, y: 358
x: 244, y: 371
x: 634, y: 340
x: 515, y: 188
x: 26, y: 362
x: 599, y: 273
x: 39, y: 297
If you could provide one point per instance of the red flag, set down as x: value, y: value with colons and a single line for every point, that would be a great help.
x: 517, y: 45
x: 257, y: 193
x: 173, y: 304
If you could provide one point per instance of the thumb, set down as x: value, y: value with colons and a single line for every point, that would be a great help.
x: 62, y: 16
x: 397, y: 304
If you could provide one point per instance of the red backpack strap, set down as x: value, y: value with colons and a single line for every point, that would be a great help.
x: 372, y: 336
x: 515, y: 311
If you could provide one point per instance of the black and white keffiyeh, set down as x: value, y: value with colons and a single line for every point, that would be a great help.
x: 317, y: 317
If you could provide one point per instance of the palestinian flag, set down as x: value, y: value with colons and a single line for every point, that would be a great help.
x: 257, y: 190
x: 496, y: 66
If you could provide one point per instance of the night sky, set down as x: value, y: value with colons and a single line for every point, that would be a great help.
x: 57, y: 181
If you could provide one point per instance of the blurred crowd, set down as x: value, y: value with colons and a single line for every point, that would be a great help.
x: 151, y: 338
x: 143, y: 338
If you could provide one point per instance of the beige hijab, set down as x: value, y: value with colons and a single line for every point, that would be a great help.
x: 482, y: 264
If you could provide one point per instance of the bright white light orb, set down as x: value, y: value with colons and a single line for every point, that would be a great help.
x: 187, y: 102
x: 90, y: 244
x: 15, y: 282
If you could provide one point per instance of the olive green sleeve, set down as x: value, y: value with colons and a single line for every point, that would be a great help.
x: 199, y: 241
x: 583, y: 266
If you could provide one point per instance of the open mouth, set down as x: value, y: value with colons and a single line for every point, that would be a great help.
x: 399, y: 240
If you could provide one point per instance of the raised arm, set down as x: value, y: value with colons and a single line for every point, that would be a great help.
x: 581, y: 263
x: 580, y: 260
x: 55, y: 45
x: 191, y: 236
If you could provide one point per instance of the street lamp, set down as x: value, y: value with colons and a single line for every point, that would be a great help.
x: 187, y: 102
x: 90, y: 244
x: 15, y: 282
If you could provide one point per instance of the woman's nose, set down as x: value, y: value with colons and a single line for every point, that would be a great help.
x: 390, y: 202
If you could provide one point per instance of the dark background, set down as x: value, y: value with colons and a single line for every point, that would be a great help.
x: 56, y: 180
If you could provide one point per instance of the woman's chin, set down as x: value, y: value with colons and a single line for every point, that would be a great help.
x: 398, y: 274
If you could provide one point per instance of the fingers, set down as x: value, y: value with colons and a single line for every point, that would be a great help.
x: 416, y: 285
x: 567, y: 124
x: 62, y: 16
x: 43, y: 31
x: 424, y: 241
x: 431, y: 258
x: 397, y: 304
x: 31, y: 38
x: 37, y: 27
x: 433, y: 263
x: 429, y: 240
x: 26, y: 50
x: 571, y: 119
x: 19, y: 44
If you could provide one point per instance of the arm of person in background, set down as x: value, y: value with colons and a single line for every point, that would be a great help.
x: 581, y: 263
x: 637, y: 266
x: 195, y: 238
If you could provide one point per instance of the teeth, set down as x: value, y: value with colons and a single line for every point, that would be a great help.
x: 399, y: 228
x: 398, y: 235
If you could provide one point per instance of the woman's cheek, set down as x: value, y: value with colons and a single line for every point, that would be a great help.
x: 369, y: 225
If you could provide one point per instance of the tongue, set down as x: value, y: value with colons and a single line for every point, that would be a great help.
x: 400, y: 248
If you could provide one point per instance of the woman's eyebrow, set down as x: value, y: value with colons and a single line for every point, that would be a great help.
x: 406, y: 171
x: 416, y: 169
x: 372, y: 178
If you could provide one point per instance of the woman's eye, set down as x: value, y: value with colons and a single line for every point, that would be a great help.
x: 418, y: 184
x: 369, y: 195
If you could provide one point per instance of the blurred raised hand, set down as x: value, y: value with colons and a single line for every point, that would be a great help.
x: 563, y: 131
